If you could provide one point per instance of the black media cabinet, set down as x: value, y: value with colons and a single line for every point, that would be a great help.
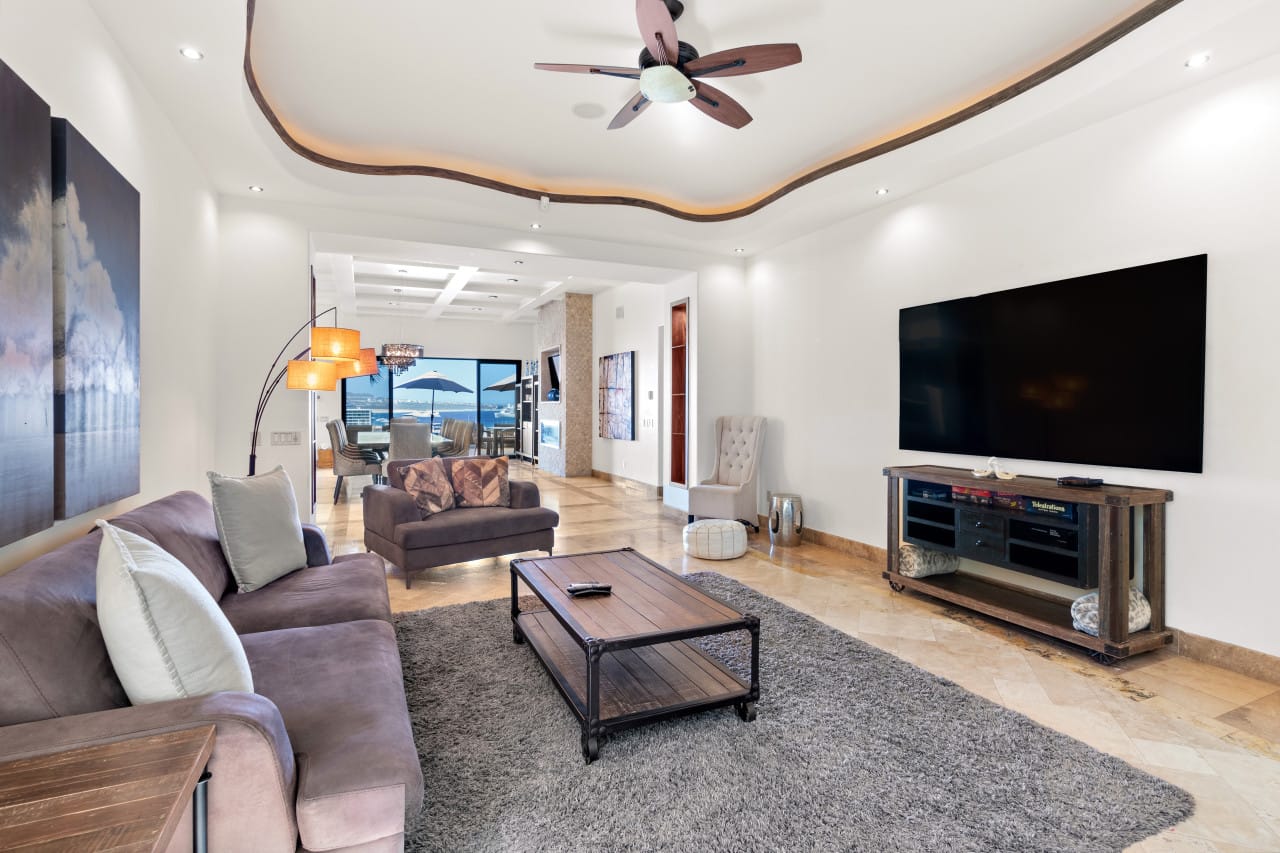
x: 1083, y: 537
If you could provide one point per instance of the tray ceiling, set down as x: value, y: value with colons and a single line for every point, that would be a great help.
x: 406, y: 87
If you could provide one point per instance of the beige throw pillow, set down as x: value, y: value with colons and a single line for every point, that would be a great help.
x: 165, y: 634
x: 429, y: 484
x: 481, y: 481
x: 258, y: 526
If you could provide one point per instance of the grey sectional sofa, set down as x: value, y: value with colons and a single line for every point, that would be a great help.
x: 320, y: 757
x: 394, y: 528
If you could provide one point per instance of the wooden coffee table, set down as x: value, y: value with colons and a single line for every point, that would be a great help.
x: 621, y: 660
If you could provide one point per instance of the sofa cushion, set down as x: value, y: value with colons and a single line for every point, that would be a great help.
x: 183, y: 525
x: 53, y: 661
x: 480, y: 481
x: 165, y: 634
x: 430, y: 486
x: 340, y: 691
x: 258, y: 526
x: 353, y: 588
x: 472, y: 525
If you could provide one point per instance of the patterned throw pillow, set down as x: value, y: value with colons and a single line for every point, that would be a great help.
x: 481, y: 481
x: 429, y: 485
x: 1085, y: 618
x: 916, y: 562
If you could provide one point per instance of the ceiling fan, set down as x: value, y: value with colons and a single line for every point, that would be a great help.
x: 671, y: 70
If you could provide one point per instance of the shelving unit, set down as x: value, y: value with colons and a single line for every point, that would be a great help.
x: 527, y: 420
x: 1081, y: 537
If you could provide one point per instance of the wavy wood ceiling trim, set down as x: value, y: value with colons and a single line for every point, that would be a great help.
x: 673, y: 208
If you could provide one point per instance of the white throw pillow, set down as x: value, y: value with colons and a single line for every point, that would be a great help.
x: 258, y: 526
x: 165, y: 634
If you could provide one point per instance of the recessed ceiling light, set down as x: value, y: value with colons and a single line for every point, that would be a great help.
x: 520, y: 262
x: 1198, y: 60
x: 254, y: 188
x: 191, y: 53
x: 514, y: 280
x: 535, y: 226
x: 477, y: 309
x: 493, y: 296
x: 739, y: 251
x: 403, y: 272
x: 397, y: 290
x: 882, y: 191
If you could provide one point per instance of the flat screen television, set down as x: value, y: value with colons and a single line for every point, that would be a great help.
x: 553, y: 372
x: 1105, y: 369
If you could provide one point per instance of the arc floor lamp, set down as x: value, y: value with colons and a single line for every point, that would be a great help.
x: 334, y: 354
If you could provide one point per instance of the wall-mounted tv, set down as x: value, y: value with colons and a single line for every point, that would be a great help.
x: 1105, y: 369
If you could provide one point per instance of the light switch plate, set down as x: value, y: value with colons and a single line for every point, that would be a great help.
x: 286, y: 439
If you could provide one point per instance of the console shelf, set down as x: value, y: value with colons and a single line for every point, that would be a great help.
x: 1089, y: 544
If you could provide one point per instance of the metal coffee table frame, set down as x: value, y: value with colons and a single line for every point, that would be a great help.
x: 587, y: 708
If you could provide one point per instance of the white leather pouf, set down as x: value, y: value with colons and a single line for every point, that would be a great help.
x: 715, y: 539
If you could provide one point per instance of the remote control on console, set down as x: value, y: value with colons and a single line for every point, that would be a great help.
x: 1080, y: 482
x: 589, y: 588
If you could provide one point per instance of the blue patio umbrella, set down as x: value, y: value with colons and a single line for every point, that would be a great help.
x: 434, y: 381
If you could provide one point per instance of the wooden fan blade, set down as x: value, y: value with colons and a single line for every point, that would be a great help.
x: 720, y: 106
x: 607, y: 70
x: 634, y: 107
x: 658, y: 30
x: 744, y: 60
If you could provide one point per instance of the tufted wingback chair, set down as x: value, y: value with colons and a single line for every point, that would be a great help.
x: 730, y: 492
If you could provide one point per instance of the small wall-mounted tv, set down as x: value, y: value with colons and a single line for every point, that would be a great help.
x: 1105, y: 369
x: 553, y: 372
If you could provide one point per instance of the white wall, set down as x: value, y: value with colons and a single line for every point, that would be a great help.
x: 60, y: 49
x: 642, y: 329
x: 263, y: 291
x: 1197, y: 172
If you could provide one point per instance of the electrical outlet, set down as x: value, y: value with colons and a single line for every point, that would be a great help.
x: 286, y: 439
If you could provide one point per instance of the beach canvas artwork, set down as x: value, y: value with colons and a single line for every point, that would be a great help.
x: 617, y: 396
x: 26, y: 309
x: 96, y: 260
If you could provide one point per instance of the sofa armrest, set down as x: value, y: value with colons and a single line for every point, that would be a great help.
x: 251, y: 795
x: 525, y: 495
x: 386, y: 508
x: 317, y: 545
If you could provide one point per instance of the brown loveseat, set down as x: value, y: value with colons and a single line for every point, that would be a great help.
x: 394, y: 528
x: 320, y: 757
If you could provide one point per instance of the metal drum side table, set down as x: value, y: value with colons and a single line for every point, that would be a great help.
x: 786, y: 519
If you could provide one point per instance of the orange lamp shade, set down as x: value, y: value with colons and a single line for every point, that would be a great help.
x: 329, y: 343
x: 366, y: 366
x: 312, y: 376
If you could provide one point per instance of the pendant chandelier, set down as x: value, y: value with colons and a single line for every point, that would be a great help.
x: 400, y: 357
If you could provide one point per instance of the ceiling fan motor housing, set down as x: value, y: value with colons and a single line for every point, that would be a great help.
x: 688, y: 53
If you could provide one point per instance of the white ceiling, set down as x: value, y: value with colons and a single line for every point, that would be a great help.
x: 405, y: 78
x: 453, y: 84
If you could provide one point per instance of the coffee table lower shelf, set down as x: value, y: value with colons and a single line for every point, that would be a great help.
x: 637, y: 685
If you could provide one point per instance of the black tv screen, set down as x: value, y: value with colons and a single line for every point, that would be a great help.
x: 1106, y: 369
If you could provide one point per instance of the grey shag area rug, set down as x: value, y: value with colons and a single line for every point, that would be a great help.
x: 853, y: 750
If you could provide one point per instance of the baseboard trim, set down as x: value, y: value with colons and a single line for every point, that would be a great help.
x: 852, y: 547
x: 1228, y: 656
x: 648, y: 489
x: 1250, y: 662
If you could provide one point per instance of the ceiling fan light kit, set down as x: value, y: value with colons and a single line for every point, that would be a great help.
x: 664, y: 84
x: 670, y: 68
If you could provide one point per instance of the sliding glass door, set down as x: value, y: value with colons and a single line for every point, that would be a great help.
x: 482, y: 391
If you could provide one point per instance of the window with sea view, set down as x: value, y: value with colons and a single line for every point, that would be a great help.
x: 488, y: 395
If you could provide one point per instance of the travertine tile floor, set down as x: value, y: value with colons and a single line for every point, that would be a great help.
x: 1213, y: 732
